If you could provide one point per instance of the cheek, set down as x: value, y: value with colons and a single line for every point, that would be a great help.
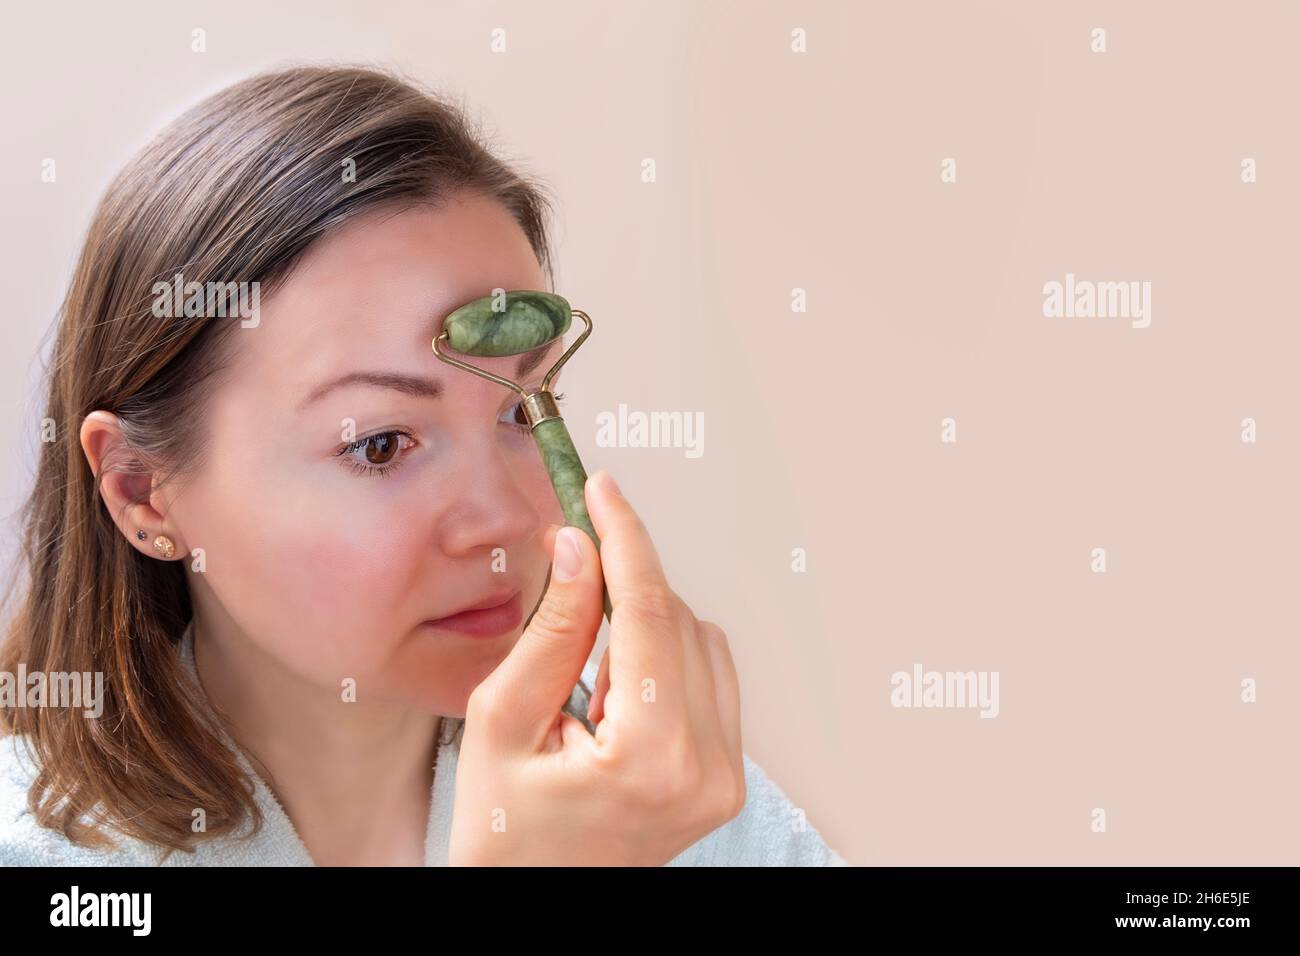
x: 324, y: 580
x: 349, y: 582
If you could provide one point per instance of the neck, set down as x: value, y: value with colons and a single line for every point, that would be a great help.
x: 354, y: 777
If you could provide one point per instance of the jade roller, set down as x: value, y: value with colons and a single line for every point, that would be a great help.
x: 511, y: 323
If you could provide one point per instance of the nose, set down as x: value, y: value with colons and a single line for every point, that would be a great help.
x: 493, y: 502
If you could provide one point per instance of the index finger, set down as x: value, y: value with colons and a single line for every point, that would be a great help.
x: 628, y: 556
x: 646, y: 641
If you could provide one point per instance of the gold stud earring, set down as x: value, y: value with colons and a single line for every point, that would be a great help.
x: 163, y: 545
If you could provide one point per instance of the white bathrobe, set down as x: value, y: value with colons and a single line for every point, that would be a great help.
x: 767, y: 832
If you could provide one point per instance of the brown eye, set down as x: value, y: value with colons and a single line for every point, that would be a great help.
x: 376, y: 454
x: 514, y: 416
x: 380, y: 449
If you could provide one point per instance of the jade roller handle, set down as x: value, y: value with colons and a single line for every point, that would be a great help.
x: 569, y: 480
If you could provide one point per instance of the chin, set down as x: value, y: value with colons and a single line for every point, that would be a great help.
x: 448, y: 694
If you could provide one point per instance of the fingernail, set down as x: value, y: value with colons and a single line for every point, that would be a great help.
x: 609, y: 484
x: 568, y: 556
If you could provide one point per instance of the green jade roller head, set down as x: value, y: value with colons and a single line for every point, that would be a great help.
x: 511, y: 323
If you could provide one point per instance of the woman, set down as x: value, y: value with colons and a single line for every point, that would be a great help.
x: 293, y: 670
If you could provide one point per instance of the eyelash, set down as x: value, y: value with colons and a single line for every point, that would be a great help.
x: 381, y: 471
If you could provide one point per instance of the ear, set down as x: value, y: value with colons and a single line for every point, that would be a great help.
x: 134, y: 502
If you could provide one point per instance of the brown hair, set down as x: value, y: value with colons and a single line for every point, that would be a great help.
x: 234, y: 190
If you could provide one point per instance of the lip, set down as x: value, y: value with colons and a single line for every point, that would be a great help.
x: 479, y: 621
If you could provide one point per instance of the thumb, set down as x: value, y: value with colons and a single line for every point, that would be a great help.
x: 535, y: 680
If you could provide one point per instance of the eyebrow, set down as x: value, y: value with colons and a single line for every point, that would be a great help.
x: 412, y: 384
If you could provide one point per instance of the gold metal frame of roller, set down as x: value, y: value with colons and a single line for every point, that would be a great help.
x: 539, y: 406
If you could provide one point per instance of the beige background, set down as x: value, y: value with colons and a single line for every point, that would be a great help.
x: 820, y: 171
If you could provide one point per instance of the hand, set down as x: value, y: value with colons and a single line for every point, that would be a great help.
x: 664, y: 768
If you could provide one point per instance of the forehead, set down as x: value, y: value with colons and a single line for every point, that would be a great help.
x: 374, y: 292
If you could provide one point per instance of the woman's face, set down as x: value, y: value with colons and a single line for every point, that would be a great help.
x: 329, y: 558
